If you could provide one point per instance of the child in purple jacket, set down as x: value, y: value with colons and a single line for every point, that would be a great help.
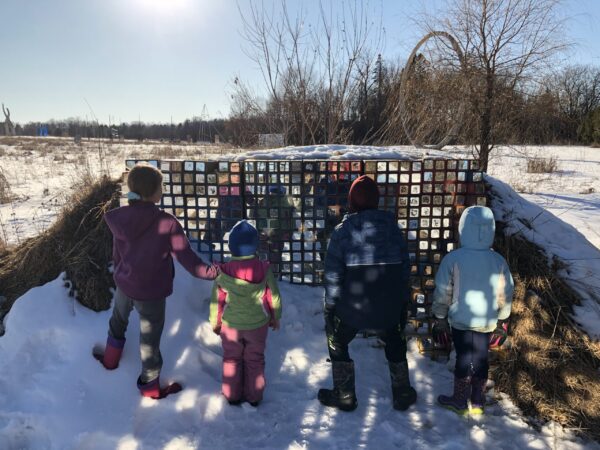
x: 144, y: 240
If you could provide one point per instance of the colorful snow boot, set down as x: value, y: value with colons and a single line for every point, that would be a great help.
x: 111, y: 355
x: 153, y: 390
x: 477, y: 396
x: 458, y: 401
x: 342, y: 396
x: 403, y: 393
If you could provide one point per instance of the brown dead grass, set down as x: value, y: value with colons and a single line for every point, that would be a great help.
x: 542, y: 165
x: 6, y: 195
x: 552, y: 370
x: 79, y: 243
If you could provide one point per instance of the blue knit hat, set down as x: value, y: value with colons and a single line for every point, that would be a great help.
x: 243, y: 239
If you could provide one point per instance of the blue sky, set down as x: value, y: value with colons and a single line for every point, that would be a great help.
x: 162, y: 59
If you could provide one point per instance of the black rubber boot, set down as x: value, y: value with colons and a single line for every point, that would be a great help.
x: 342, y: 396
x: 403, y: 393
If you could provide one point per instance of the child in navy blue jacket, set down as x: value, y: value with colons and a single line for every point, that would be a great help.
x: 366, y: 287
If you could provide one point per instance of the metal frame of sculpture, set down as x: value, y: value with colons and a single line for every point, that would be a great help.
x: 404, y: 114
x: 296, y: 204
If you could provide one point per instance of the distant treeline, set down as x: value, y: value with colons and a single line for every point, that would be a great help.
x: 563, y: 109
x: 195, y: 130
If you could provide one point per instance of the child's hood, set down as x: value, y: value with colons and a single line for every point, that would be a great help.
x: 476, y: 228
x: 239, y: 287
x: 131, y: 222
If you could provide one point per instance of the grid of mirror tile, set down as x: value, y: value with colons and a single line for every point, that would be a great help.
x: 427, y: 197
x: 295, y: 205
x: 207, y: 199
x: 272, y: 197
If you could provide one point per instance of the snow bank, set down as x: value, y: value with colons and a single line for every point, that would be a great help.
x: 559, y: 240
x: 346, y: 152
x: 54, y: 395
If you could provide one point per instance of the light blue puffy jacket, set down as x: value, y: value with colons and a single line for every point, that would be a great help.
x: 473, y: 285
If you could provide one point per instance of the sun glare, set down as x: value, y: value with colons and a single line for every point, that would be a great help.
x: 163, y: 6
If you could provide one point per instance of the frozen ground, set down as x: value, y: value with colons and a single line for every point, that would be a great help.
x: 42, y: 173
x: 54, y: 395
x: 571, y: 193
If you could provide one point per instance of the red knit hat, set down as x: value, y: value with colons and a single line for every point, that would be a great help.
x: 364, y: 194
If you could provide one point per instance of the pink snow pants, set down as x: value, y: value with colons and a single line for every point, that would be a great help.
x: 244, y: 363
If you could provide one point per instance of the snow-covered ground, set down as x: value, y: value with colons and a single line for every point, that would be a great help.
x: 54, y: 395
x: 571, y: 193
x: 43, y: 172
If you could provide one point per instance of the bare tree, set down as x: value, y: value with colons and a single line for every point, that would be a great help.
x: 577, y: 90
x: 505, y: 43
x: 309, y: 68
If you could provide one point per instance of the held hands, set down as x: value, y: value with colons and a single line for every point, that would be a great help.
x: 499, y: 335
x: 441, y: 332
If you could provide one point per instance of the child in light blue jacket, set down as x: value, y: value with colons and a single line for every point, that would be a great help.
x: 473, y: 296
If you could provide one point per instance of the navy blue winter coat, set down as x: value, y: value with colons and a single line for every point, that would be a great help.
x: 367, y: 271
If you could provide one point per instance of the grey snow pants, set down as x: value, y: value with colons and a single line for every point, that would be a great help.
x: 152, y: 321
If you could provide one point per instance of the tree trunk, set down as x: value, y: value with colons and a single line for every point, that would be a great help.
x: 485, y: 126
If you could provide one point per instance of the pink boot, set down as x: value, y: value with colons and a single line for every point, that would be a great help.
x: 111, y: 355
x: 153, y: 390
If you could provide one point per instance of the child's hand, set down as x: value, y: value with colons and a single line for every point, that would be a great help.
x: 217, y: 330
x: 274, y: 324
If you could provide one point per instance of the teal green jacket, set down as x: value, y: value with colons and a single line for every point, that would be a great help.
x: 245, y: 295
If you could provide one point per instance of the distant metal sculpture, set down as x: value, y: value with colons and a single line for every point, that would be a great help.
x: 9, y: 128
x: 43, y: 131
x: 415, y: 133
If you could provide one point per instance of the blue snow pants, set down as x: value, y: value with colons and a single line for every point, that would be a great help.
x: 471, y: 353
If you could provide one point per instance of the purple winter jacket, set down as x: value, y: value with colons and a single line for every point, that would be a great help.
x: 144, y: 240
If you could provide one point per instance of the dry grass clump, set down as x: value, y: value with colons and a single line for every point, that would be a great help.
x: 79, y: 243
x: 552, y: 370
x: 10, y: 140
x: 5, y: 192
x: 542, y: 165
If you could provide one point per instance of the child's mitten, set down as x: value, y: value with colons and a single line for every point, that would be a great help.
x: 499, y: 335
x: 441, y: 332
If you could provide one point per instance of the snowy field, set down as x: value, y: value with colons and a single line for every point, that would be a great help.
x: 42, y: 173
x: 571, y: 193
x: 54, y: 395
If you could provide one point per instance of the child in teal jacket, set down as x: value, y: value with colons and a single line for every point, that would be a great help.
x: 473, y: 296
